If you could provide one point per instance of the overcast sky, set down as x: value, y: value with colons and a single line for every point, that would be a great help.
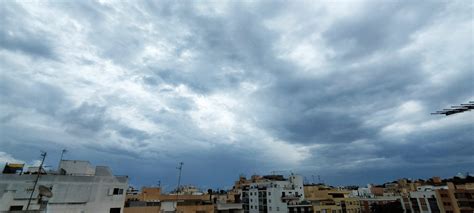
x: 340, y: 89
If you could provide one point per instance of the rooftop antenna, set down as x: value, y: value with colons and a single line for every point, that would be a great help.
x: 61, y: 158
x: 43, y: 155
x: 455, y: 109
x: 180, y: 168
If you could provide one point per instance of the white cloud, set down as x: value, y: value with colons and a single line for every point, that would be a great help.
x: 7, y: 158
x: 271, y: 84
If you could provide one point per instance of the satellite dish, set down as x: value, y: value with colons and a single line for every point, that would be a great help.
x: 45, y: 191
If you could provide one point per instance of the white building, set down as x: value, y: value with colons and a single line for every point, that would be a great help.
x: 273, y: 194
x: 77, y: 188
x: 430, y: 188
x: 362, y: 192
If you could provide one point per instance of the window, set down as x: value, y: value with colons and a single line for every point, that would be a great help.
x: 269, y: 193
x: 278, y: 209
x: 16, y: 208
x: 114, y: 210
x: 116, y: 191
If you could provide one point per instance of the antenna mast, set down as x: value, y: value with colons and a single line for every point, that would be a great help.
x: 43, y: 154
x: 61, y: 159
x: 180, y: 168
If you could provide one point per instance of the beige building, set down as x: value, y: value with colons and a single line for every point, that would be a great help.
x: 151, y: 200
x: 457, y: 198
x: 330, y: 200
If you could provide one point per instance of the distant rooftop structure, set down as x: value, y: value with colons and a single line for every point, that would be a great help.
x: 13, y: 168
x: 455, y: 109
x: 76, y: 168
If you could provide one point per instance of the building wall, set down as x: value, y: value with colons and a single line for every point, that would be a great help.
x: 456, y: 198
x: 196, y: 208
x: 273, y: 195
x: 142, y: 209
x: 70, y: 193
x: 326, y: 209
x: 169, y: 207
x: 75, y: 167
x: 366, y: 203
x: 426, y: 201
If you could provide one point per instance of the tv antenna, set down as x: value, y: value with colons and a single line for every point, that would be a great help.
x: 455, y: 109
x: 43, y: 155
x: 180, y: 168
x: 61, y: 159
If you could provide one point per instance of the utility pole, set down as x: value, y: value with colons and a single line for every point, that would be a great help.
x: 180, y: 168
x: 43, y: 154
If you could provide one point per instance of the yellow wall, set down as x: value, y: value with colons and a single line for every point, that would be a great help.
x: 144, y: 209
x: 181, y: 209
x: 200, y: 208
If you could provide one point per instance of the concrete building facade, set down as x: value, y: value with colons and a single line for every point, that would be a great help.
x: 78, y: 188
x: 274, y: 193
x: 456, y: 198
x: 328, y: 200
x: 424, y: 202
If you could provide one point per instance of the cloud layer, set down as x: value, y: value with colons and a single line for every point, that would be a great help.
x: 337, y: 89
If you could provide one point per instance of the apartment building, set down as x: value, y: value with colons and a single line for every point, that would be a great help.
x: 424, y: 202
x: 382, y: 203
x: 457, y: 198
x: 77, y: 187
x: 330, y: 200
x: 151, y: 199
x: 274, y: 193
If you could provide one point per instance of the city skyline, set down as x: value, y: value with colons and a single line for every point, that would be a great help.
x: 336, y: 89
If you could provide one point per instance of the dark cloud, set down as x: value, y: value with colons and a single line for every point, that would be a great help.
x: 227, y: 89
x: 133, y: 134
x: 379, y: 27
x: 86, y: 117
x: 22, y: 37
x: 42, y: 97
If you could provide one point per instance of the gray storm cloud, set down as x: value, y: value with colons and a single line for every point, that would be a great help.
x: 334, y: 88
